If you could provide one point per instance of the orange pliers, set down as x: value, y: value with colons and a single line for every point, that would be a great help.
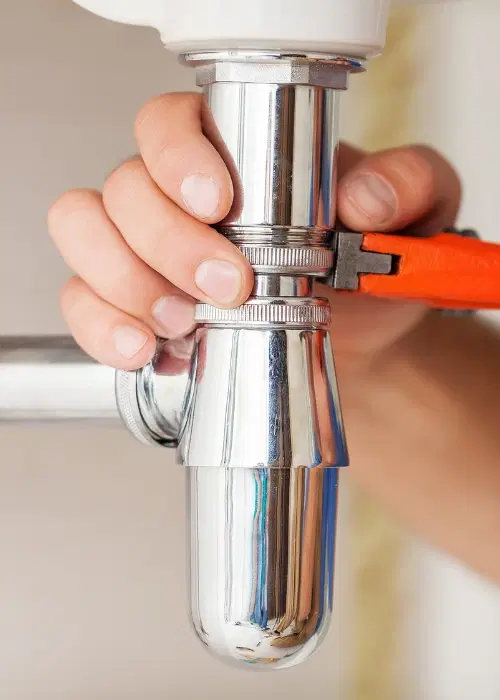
x: 454, y: 271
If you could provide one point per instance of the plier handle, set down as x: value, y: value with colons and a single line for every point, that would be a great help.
x: 448, y: 271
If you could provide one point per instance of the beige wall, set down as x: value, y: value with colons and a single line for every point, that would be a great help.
x: 456, y: 629
x: 91, y: 524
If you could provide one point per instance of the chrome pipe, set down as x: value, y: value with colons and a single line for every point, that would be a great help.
x: 262, y: 434
x: 262, y: 397
x: 262, y: 561
x: 281, y: 142
x: 51, y: 379
x: 254, y: 413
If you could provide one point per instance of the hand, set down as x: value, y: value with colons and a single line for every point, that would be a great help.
x: 419, y: 392
x: 143, y: 250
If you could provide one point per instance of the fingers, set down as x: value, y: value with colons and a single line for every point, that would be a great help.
x: 447, y: 196
x: 193, y: 256
x: 144, y: 250
x: 410, y: 188
x: 180, y: 159
x: 95, y: 250
x: 394, y: 189
x: 387, y: 191
x: 348, y: 157
x: 107, y: 334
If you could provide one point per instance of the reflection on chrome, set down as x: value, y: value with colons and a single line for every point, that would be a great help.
x: 262, y: 561
x: 250, y: 400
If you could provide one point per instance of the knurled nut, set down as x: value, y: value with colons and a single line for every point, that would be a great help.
x: 128, y: 407
x: 308, y: 261
x: 289, y: 313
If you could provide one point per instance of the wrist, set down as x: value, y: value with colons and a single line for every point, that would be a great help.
x: 454, y: 357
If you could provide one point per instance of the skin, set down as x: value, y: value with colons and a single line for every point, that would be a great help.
x: 420, y: 392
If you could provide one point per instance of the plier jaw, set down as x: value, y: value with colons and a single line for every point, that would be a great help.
x: 352, y: 260
x: 451, y: 270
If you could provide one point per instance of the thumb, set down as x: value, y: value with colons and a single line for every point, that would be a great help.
x: 387, y: 191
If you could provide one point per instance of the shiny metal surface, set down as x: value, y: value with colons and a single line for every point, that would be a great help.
x: 352, y: 261
x: 254, y: 410
x: 51, y: 379
x: 288, y: 312
x: 282, y: 286
x: 262, y: 398
x: 127, y: 387
x: 294, y: 71
x: 262, y: 432
x: 151, y: 400
x: 320, y: 69
x: 280, y: 143
x: 313, y: 262
x: 262, y: 545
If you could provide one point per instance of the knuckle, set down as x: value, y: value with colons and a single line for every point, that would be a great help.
x: 416, y: 166
x: 409, y: 170
x: 69, y: 204
x: 123, y: 177
x: 149, y: 111
x: 125, y: 285
x: 70, y: 297
x: 165, y: 107
x: 439, y: 162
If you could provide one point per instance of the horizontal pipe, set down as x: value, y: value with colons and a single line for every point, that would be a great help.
x: 51, y: 379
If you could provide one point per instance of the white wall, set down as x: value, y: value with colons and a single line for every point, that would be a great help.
x: 91, y: 543
x: 91, y: 525
x: 456, y: 629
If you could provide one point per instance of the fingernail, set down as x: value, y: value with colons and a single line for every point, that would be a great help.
x: 220, y: 280
x: 175, y: 315
x: 374, y: 196
x: 200, y: 195
x: 129, y: 341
